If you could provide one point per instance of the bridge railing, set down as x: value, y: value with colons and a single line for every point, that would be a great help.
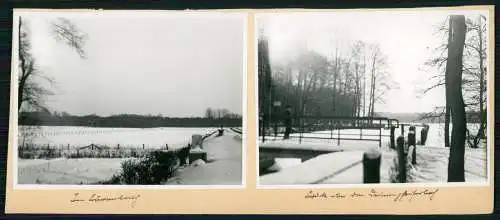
x: 302, y: 125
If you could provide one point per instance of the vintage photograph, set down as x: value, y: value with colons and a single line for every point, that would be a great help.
x: 129, y: 97
x: 368, y: 97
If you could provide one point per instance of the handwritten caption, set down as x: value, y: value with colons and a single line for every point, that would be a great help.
x: 405, y: 195
x: 97, y: 198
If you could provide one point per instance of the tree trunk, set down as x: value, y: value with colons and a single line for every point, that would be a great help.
x: 482, y: 116
x: 448, y: 95
x: 372, y: 111
x: 335, y: 76
x: 356, y: 105
x: 363, y: 92
x: 372, y: 88
x: 22, y: 72
x: 454, y: 70
x: 372, y: 93
x: 447, y: 121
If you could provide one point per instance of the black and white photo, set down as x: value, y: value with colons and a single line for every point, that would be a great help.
x: 129, y: 97
x: 370, y: 97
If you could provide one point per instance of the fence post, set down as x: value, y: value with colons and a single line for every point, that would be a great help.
x: 263, y: 130
x: 371, y: 166
x: 402, y: 130
x: 301, y: 124
x: 393, y: 141
x: 412, y: 141
x: 331, y: 129
x: 401, y: 159
x: 275, y: 129
x: 379, y: 133
x: 338, y: 135
x: 423, y: 134
x: 143, y: 146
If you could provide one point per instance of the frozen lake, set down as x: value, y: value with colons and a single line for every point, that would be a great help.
x: 127, y: 137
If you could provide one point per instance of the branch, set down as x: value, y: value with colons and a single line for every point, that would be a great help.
x: 433, y: 87
x: 67, y: 32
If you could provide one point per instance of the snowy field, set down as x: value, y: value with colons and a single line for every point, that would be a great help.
x: 224, y: 167
x: 67, y: 171
x: 60, y: 136
x: 432, y: 159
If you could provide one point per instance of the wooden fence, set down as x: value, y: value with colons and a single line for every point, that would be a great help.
x: 407, y: 150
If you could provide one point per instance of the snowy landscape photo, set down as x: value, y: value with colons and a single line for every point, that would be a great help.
x: 129, y: 98
x: 372, y: 97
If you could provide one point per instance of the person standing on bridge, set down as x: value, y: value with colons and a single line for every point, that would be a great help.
x: 288, y: 122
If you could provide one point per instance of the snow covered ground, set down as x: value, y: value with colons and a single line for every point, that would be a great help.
x: 224, y: 167
x: 432, y: 159
x: 127, y: 137
x: 67, y: 171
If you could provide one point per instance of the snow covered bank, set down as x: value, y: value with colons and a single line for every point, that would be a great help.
x: 432, y: 159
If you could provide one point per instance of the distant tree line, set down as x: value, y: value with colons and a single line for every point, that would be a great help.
x: 213, y: 113
x: 44, y: 117
x: 347, y: 83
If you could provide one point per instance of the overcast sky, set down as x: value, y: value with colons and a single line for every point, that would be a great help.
x: 174, y: 64
x: 406, y: 37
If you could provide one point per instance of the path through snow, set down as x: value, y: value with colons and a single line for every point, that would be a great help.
x: 224, y: 167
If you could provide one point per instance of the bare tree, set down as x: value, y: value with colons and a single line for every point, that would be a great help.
x: 379, y: 79
x: 209, y: 113
x: 31, y: 91
x: 359, y: 68
x: 475, y: 72
x: 473, y: 84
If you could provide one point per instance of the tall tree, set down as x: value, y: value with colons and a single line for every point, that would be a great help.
x: 29, y: 90
x: 379, y: 80
x: 448, y: 94
x: 265, y: 81
x: 454, y: 78
x: 474, y: 72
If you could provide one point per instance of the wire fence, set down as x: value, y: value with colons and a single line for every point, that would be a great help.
x: 48, y: 151
x: 302, y: 127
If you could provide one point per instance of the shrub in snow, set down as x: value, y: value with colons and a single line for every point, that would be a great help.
x: 183, y: 154
x: 154, y: 168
